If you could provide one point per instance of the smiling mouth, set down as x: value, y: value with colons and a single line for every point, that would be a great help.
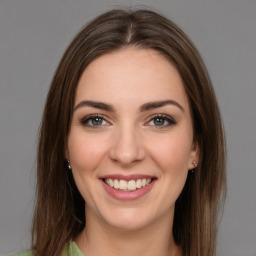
x: 129, y: 185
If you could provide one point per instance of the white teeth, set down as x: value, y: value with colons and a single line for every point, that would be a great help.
x: 138, y: 184
x: 116, y: 184
x: 123, y: 184
x: 111, y: 183
x: 130, y: 185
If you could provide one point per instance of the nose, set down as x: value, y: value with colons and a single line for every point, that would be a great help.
x: 127, y: 147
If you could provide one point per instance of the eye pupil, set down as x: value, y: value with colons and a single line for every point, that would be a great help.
x: 97, y: 121
x: 159, y: 121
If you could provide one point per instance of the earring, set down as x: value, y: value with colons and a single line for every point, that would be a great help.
x: 195, y: 163
x: 69, y: 166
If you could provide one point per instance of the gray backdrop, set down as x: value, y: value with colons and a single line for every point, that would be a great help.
x: 33, y: 37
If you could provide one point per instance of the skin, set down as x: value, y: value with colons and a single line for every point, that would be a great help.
x: 128, y: 140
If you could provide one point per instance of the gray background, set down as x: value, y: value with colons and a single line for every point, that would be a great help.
x: 33, y: 37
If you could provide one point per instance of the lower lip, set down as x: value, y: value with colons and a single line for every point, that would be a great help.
x: 128, y: 195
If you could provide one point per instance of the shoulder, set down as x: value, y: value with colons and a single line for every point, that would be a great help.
x: 26, y: 253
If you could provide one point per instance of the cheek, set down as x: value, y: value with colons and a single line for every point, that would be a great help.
x: 172, y: 153
x: 171, y: 158
x: 85, y: 152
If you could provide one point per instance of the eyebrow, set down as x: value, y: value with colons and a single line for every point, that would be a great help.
x: 94, y: 104
x: 145, y: 107
x: 158, y: 104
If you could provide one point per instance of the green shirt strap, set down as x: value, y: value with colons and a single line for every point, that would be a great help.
x: 71, y: 250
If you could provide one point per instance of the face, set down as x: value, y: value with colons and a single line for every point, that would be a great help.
x: 131, y: 139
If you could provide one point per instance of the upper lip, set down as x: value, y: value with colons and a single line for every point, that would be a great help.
x: 127, y: 177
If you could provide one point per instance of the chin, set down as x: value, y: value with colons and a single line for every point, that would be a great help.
x: 128, y: 224
x: 128, y: 219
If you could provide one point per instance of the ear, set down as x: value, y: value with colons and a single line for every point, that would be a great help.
x: 194, y: 156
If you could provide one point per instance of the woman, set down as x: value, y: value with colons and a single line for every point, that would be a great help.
x: 131, y: 156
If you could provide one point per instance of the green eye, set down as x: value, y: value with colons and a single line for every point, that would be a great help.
x: 96, y: 121
x: 161, y: 121
x: 93, y: 121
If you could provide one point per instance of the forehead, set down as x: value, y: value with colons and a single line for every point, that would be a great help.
x: 131, y: 74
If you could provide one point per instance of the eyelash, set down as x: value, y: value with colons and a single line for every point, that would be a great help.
x: 85, y: 121
x: 170, y: 121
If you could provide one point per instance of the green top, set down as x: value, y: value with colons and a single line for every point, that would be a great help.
x: 71, y: 250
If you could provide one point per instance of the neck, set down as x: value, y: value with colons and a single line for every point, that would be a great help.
x: 101, y: 239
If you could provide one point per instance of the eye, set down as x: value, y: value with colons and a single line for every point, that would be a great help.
x: 94, y: 121
x: 161, y: 121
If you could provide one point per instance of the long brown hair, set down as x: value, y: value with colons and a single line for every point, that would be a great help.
x: 59, y: 213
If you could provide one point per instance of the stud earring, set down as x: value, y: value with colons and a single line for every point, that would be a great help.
x: 69, y: 166
x: 195, y: 163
